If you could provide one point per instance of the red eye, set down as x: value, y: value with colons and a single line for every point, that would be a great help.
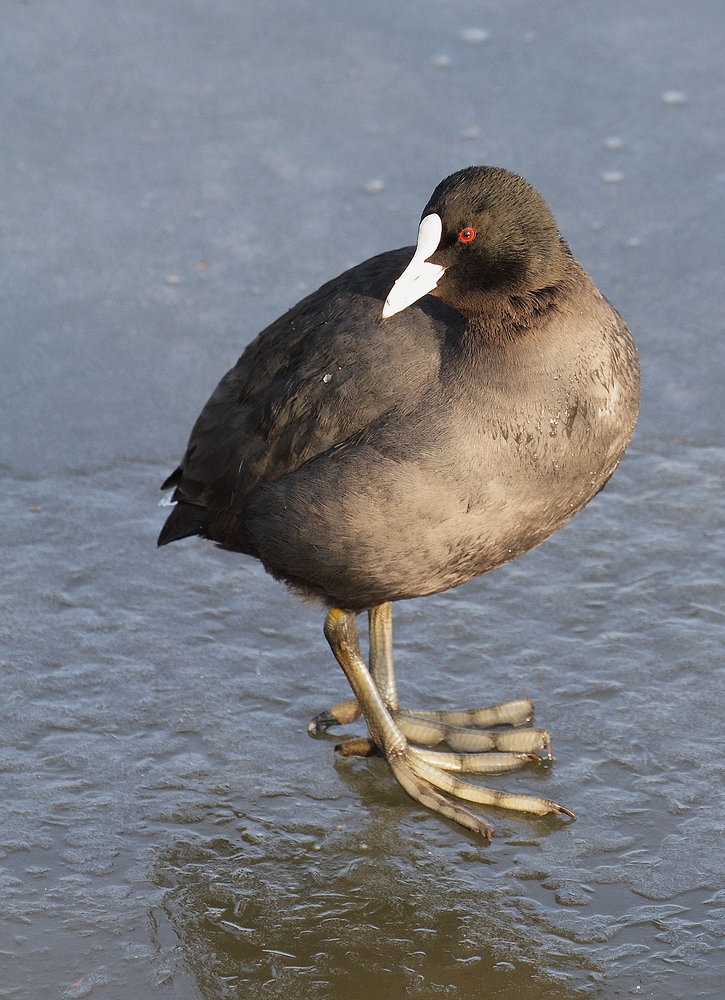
x: 466, y: 235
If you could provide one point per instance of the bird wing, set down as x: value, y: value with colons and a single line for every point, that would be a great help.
x: 323, y: 372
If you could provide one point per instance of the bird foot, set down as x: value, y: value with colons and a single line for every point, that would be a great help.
x: 424, y: 773
x: 361, y: 747
x: 425, y: 781
x: 341, y: 714
x: 434, y: 769
x: 466, y: 730
x: 404, y: 739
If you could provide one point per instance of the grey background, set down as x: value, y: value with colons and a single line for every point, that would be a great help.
x: 176, y: 174
x: 140, y: 139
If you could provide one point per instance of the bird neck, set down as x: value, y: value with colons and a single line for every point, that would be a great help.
x: 503, y: 316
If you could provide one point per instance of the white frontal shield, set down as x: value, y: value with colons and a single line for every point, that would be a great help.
x: 419, y: 277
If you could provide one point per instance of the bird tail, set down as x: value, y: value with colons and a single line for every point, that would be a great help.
x: 184, y: 520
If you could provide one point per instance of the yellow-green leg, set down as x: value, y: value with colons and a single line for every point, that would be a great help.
x: 342, y: 634
x: 421, y: 773
x: 380, y: 621
x: 463, y: 730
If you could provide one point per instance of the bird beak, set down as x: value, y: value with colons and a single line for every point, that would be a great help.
x: 419, y: 277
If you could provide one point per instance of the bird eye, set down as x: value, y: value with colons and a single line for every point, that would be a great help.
x: 466, y: 235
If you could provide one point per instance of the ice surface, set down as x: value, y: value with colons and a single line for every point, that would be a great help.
x: 156, y: 765
x: 475, y: 36
x: 175, y: 176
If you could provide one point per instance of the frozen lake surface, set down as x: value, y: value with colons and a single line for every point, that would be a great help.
x: 176, y: 176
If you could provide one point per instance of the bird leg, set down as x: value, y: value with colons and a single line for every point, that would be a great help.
x: 342, y: 634
x: 463, y: 730
x: 418, y: 771
x: 380, y: 626
x: 380, y: 619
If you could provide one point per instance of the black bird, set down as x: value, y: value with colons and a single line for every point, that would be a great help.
x: 388, y: 439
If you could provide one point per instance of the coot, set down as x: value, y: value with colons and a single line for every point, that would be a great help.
x: 424, y: 417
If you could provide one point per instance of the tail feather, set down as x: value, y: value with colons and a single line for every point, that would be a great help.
x: 173, y: 480
x: 184, y: 520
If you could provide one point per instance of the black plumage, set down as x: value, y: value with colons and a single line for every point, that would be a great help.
x: 365, y: 459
